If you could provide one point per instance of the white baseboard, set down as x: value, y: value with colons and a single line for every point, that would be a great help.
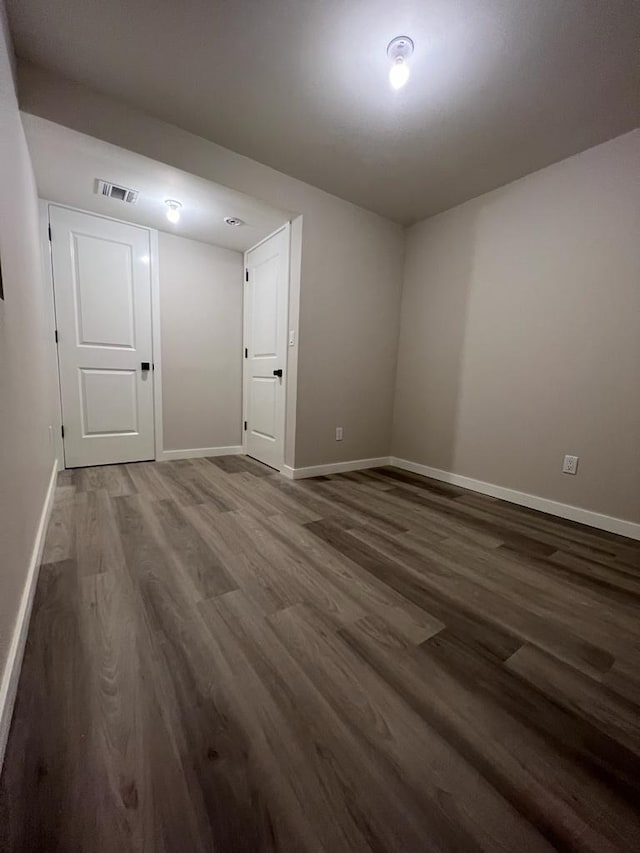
x: 199, y: 452
x: 574, y: 513
x: 11, y: 674
x: 333, y: 468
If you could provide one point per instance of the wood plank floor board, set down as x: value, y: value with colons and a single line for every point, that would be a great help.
x: 275, y: 717
x: 417, y: 481
x: 612, y: 577
x: 225, y: 535
x: 502, y: 605
x: 425, y: 593
x: 382, y: 720
x: 612, y: 714
x: 350, y: 497
x: 518, y: 536
x: 571, y: 734
x: 379, y: 601
x: 563, y: 529
x: 98, y: 547
x: 566, y: 806
x: 369, y: 805
x: 187, y: 551
x: 303, y: 582
x: 319, y: 496
x: 148, y: 482
x: 305, y: 493
x: 522, y: 531
x: 422, y: 520
x: 521, y: 520
x: 624, y: 677
x: 586, y: 614
x: 61, y: 534
x: 220, y: 659
x: 282, y: 503
x: 205, y: 487
x: 53, y: 689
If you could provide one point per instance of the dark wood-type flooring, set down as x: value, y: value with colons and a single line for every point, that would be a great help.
x: 221, y: 659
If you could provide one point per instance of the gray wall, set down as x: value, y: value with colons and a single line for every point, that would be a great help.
x: 520, y: 334
x: 350, y: 279
x: 26, y: 360
x: 201, y: 329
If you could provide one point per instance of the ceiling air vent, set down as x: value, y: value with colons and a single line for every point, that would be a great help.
x: 114, y: 191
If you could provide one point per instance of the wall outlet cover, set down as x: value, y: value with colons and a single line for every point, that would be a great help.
x: 338, y: 433
x: 570, y: 465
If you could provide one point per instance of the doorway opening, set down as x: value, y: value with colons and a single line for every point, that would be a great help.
x: 149, y: 314
x: 266, y: 308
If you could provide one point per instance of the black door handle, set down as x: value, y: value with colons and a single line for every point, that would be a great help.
x: 278, y: 372
x: 145, y: 365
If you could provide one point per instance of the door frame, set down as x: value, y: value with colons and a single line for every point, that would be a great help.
x: 287, y: 266
x: 47, y: 265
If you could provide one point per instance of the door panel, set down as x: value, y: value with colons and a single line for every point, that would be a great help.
x: 103, y: 291
x: 264, y: 397
x: 109, y: 401
x: 264, y: 318
x: 265, y: 328
x: 102, y: 286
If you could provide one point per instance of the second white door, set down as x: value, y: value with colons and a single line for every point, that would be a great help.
x: 102, y: 286
x: 265, y: 339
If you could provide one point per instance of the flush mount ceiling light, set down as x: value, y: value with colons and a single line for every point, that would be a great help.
x: 233, y: 221
x: 399, y: 51
x: 173, y: 210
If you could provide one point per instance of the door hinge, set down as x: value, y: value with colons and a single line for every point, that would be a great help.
x: 246, y: 275
x: 56, y: 335
x: 245, y: 426
x: 62, y: 430
x: 246, y: 352
x: 49, y: 233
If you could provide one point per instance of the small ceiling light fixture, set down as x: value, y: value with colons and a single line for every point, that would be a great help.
x: 233, y: 221
x: 173, y: 210
x: 399, y: 51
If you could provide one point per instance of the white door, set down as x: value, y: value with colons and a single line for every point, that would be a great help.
x: 102, y: 286
x: 265, y: 339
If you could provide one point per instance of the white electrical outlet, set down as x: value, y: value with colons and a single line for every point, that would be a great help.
x: 338, y: 433
x: 570, y: 465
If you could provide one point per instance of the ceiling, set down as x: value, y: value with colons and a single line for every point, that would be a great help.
x: 499, y: 88
x: 67, y: 163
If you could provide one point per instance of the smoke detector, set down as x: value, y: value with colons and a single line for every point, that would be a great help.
x: 106, y: 188
x: 233, y: 221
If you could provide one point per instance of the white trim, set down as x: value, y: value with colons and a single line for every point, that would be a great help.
x: 11, y: 674
x: 154, y: 260
x: 574, y: 513
x: 268, y: 237
x: 287, y: 267
x: 199, y: 452
x: 97, y: 215
x: 293, y: 325
x: 47, y: 271
x: 333, y: 468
